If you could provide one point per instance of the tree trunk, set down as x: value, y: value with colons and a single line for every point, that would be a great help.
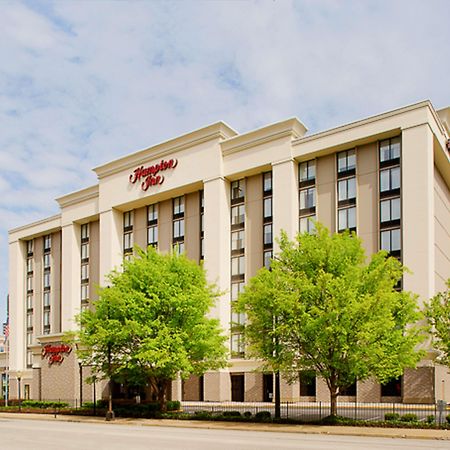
x: 277, y: 395
x: 162, y: 394
x: 333, y: 400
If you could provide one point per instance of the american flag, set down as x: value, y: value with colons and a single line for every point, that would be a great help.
x: 6, y: 329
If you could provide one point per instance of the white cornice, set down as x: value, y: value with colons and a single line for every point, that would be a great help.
x: 78, y: 196
x: 368, y: 120
x: 288, y: 128
x: 219, y: 131
x: 49, y: 224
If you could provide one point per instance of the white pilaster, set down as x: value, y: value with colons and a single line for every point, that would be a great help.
x: 111, y: 235
x: 17, y: 299
x: 217, y: 244
x: 70, y: 275
x: 285, y: 199
x: 418, y: 210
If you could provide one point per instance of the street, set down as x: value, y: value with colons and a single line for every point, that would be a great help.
x: 19, y: 434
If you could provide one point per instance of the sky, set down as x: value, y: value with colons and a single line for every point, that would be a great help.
x: 85, y: 82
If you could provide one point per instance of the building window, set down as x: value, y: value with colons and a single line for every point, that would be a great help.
x: 46, y: 280
x: 178, y: 206
x: 238, y: 191
x: 29, y: 301
x: 307, y: 172
x: 46, y: 298
x: 152, y: 235
x: 347, y: 190
x: 238, y: 266
x: 267, y: 183
x: 178, y: 224
x: 178, y: 229
x: 29, y: 320
x: 85, y: 232
x: 29, y: 364
x: 29, y: 339
x: 85, y: 252
x: 29, y: 266
x: 268, y: 255
x: 238, y: 241
x: 347, y: 219
x: 349, y: 390
x: 390, y: 210
x: 46, y: 319
x: 128, y: 219
x: 307, y: 199
x: 268, y: 237
x: 236, y: 289
x: 47, y: 261
x: 30, y: 248
x: 390, y: 151
x: 30, y: 283
x: 85, y: 273
x: 47, y: 243
x: 238, y: 215
x: 307, y: 224
x: 346, y: 162
x: 307, y: 383
x: 391, y: 241
x: 267, y: 208
x: 152, y: 225
x: 237, y: 345
x: 390, y: 179
x: 202, y: 225
x: 84, y: 292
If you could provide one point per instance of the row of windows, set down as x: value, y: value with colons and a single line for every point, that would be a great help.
x: 84, y: 271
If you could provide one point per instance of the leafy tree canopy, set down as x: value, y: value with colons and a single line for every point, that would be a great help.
x: 151, y: 324
x: 322, y: 308
x: 438, y: 315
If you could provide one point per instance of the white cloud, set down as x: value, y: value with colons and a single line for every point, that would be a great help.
x: 84, y: 83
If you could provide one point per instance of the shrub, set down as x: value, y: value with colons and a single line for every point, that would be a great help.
x: 100, y: 404
x: 431, y: 418
x: 43, y: 404
x: 263, y: 415
x: 391, y: 417
x: 247, y: 414
x: 409, y: 418
x: 448, y: 419
x: 231, y: 414
x: 202, y: 415
x: 173, y: 405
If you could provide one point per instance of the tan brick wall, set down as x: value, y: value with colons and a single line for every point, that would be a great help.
x: 418, y: 385
x: 289, y: 392
x: 217, y: 386
x: 368, y: 391
x: 322, y: 391
x: 253, y: 386
x: 191, y: 388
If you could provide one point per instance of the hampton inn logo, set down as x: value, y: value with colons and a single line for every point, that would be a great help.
x: 151, y: 175
x: 55, y: 353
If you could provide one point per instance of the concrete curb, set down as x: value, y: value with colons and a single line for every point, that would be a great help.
x: 404, y: 433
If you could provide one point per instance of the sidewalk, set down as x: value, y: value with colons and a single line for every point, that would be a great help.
x: 406, y: 433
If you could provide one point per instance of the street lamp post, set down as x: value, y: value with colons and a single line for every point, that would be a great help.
x: 19, y: 378
x: 81, y: 383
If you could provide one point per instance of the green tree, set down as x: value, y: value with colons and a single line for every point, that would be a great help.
x: 438, y: 315
x: 321, y: 308
x: 151, y: 324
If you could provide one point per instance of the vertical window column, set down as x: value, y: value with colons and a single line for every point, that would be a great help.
x: 202, y: 225
x: 152, y: 225
x: 128, y: 219
x: 237, y: 263
x: 346, y: 187
x: 29, y: 300
x: 390, y: 196
x: 307, y: 195
x: 84, y: 266
x: 267, y: 219
x: 47, y: 283
x: 178, y: 224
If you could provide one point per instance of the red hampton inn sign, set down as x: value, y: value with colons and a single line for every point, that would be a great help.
x: 54, y: 353
x: 151, y: 175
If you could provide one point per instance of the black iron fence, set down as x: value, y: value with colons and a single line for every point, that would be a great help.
x: 315, y: 411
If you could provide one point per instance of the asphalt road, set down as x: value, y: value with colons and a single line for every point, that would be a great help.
x: 16, y: 434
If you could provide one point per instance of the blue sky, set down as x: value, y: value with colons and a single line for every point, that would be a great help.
x: 82, y: 83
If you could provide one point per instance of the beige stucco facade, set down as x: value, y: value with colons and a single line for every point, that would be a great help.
x: 200, y: 169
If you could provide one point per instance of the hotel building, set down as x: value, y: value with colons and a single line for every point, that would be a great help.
x: 223, y: 197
